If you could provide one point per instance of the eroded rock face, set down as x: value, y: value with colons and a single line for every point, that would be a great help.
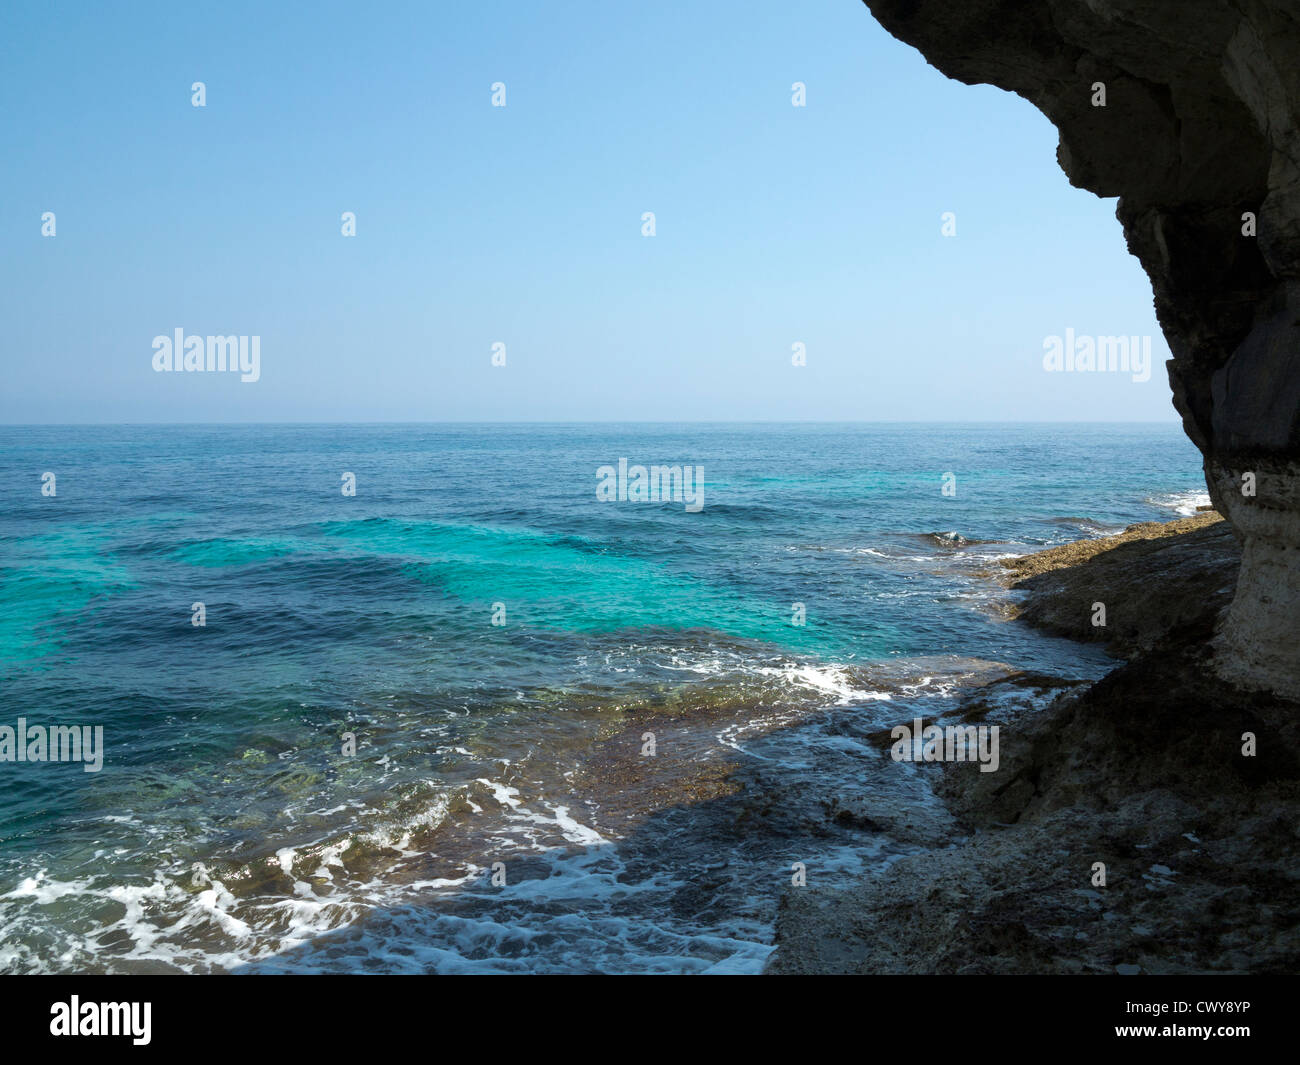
x: 1199, y: 129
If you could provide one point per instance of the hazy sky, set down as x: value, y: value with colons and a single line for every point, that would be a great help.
x: 522, y: 224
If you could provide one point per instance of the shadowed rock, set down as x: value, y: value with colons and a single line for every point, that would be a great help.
x: 1152, y: 579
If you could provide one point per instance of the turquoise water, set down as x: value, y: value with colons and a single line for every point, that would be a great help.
x: 230, y: 830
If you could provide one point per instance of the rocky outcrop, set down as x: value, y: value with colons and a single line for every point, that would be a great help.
x: 1198, y: 138
x: 1151, y: 580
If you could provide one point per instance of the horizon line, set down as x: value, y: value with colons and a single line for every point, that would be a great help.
x: 695, y: 421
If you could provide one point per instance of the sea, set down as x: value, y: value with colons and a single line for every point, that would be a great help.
x: 420, y: 698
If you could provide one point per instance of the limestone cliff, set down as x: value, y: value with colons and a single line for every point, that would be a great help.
x: 1198, y: 138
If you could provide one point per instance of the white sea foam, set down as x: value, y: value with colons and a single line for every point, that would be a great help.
x: 575, y: 905
x: 1184, y: 504
x: 829, y: 680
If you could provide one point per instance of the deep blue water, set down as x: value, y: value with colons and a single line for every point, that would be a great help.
x: 228, y: 829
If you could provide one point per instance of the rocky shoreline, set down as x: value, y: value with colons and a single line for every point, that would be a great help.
x: 1143, y: 771
x: 1152, y: 579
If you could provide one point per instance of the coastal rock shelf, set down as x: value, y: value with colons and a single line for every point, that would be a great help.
x: 1142, y: 771
x: 1198, y: 139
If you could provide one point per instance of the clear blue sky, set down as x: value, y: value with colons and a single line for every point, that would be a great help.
x: 522, y: 224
